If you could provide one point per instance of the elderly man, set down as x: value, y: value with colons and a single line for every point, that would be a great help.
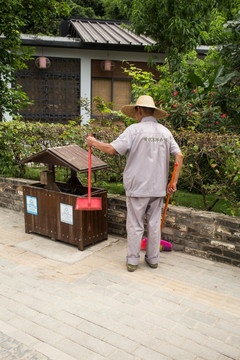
x: 148, y: 146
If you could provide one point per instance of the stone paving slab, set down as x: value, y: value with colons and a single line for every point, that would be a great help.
x: 57, y: 303
x: 60, y: 251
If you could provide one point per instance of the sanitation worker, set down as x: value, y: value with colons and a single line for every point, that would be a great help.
x: 148, y: 146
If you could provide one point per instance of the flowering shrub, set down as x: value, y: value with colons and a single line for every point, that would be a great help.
x: 197, y: 115
x: 200, y: 96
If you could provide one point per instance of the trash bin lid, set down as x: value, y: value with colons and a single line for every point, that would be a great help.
x: 72, y: 156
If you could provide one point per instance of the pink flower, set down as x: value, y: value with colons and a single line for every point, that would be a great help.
x: 189, y: 113
x: 208, y: 125
x: 169, y: 114
x: 175, y: 93
x: 174, y: 106
x: 189, y: 105
x: 216, y: 122
x: 223, y: 116
x: 195, y: 90
x: 211, y: 94
x: 160, y: 101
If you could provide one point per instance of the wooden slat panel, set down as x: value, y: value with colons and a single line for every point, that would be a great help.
x: 87, y: 227
x: 121, y: 93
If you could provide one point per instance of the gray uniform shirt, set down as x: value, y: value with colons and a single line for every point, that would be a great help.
x: 148, y: 146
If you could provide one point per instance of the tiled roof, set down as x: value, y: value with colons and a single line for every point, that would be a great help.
x: 106, y: 32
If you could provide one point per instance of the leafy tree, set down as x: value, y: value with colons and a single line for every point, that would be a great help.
x: 178, y: 26
x: 210, y: 87
x: 96, y: 5
x: 10, y: 59
x: 16, y: 17
x: 230, y: 51
x: 80, y: 11
x: 227, y: 64
x: 86, y: 8
x: 114, y: 11
x: 174, y: 25
x: 40, y: 17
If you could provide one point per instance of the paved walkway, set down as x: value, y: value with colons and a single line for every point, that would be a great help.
x: 59, y: 303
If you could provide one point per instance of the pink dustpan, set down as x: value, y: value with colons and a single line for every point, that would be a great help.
x: 164, y: 245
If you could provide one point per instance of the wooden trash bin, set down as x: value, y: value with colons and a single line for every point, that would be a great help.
x: 49, y: 206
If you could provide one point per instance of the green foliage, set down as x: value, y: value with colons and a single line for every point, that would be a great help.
x: 201, y: 95
x: 230, y: 43
x: 16, y: 17
x: 170, y: 23
x: 95, y: 5
x: 42, y: 16
x: 117, y: 10
x: 86, y: 9
x: 198, y: 94
x: 10, y: 59
x: 211, y: 161
x: 19, y: 140
x: 106, y: 114
x: 179, y: 26
x: 211, y: 165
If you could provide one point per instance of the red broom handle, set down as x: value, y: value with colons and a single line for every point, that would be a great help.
x: 168, y: 197
x: 89, y: 171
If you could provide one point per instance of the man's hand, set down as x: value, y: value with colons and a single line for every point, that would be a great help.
x: 179, y: 161
x: 173, y: 189
x: 107, y: 148
x: 90, y: 140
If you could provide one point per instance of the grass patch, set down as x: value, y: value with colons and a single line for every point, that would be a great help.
x: 112, y: 188
x: 183, y: 198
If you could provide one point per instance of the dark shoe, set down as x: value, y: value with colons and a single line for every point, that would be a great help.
x: 131, y: 268
x: 153, y: 266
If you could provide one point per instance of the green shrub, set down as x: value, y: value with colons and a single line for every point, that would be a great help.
x: 211, y: 161
x: 211, y: 165
x: 19, y: 140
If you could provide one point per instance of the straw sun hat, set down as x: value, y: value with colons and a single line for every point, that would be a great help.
x: 143, y: 101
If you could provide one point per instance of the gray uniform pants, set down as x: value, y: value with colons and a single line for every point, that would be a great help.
x: 137, y: 207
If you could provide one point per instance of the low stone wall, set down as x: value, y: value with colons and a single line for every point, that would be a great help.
x: 11, y: 194
x: 205, y: 234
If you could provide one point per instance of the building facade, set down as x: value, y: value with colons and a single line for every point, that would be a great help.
x: 67, y: 72
x: 86, y: 61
